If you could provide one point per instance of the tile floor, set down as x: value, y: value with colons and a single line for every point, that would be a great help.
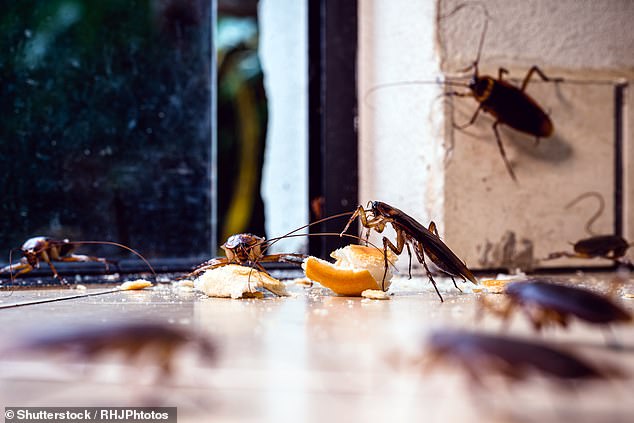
x: 310, y: 357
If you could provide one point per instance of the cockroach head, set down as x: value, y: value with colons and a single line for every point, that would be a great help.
x: 478, y: 85
x: 242, y: 240
x: 375, y: 206
x: 382, y: 209
x: 31, y: 257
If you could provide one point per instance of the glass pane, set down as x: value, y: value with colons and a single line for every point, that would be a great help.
x: 106, y: 128
x: 242, y: 121
x: 262, y: 119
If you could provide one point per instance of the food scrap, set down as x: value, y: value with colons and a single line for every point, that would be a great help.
x: 236, y: 281
x: 357, y: 268
x: 496, y: 286
x: 135, y: 285
x: 375, y: 294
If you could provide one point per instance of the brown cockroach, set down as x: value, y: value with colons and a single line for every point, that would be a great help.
x: 546, y: 303
x: 150, y: 341
x: 46, y: 249
x: 610, y: 247
x: 249, y: 250
x: 424, y: 241
x: 482, y: 355
x: 246, y: 250
x: 509, y: 105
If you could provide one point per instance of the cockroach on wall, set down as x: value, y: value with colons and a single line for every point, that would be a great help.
x: 409, y: 232
x: 609, y: 246
x: 47, y: 249
x: 509, y: 105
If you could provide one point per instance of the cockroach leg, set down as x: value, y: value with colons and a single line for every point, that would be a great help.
x: 397, y: 249
x: 421, y: 257
x: 409, y: 268
x: 454, y: 282
x: 503, y: 312
x: 502, y: 152
x: 542, y: 75
x: 502, y: 72
x: 471, y: 121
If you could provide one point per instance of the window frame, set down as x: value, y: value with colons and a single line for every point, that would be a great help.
x: 332, y: 141
x: 333, y: 117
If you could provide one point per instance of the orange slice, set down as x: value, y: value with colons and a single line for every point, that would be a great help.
x: 357, y: 269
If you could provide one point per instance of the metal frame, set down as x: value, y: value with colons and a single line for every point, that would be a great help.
x: 333, y: 152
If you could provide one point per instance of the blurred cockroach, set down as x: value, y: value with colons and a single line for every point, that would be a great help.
x: 508, y: 104
x: 482, y: 355
x: 424, y: 241
x: 546, y: 303
x: 610, y: 247
x: 156, y: 344
x: 49, y: 250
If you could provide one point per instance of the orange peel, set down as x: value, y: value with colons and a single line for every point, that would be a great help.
x: 358, y: 268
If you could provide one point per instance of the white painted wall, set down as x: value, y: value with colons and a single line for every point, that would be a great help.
x: 400, y: 144
x: 589, y: 44
x: 284, y: 56
x: 561, y: 35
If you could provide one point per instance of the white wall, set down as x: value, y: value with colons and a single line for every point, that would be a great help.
x: 284, y: 56
x: 401, y: 147
x: 562, y: 35
x: 469, y: 195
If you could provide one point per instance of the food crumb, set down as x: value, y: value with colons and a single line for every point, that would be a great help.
x: 187, y: 283
x: 134, y: 285
x: 375, y: 294
x: 495, y: 286
x: 304, y: 282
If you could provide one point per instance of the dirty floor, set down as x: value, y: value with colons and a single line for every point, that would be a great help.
x: 311, y: 357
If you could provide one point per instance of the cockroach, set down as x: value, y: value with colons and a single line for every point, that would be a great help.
x: 153, y: 342
x: 546, y: 303
x: 246, y: 250
x: 482, y: 355
x: 46, y: 249
x: 611, y: 246
x: 509, y: 105
x: 249, y: 250
x: 409, y: 232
